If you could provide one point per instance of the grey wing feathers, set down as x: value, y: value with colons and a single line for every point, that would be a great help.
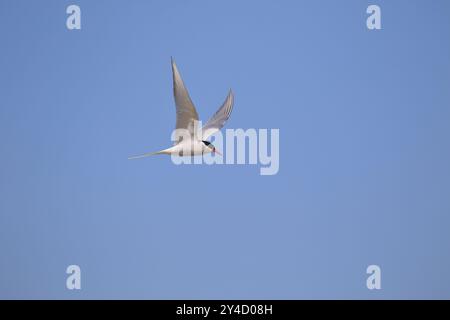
x: 186, y: 113
x: 221, y: 116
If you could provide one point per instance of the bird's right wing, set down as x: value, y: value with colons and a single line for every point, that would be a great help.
x: 186, y: 114
x: 221, y: 116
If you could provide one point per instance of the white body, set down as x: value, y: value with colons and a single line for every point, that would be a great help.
x: 187, y: 148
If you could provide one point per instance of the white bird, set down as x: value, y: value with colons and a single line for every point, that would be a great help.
x: 194, y: 143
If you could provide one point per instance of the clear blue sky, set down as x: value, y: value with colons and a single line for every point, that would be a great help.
x: 364, y: 150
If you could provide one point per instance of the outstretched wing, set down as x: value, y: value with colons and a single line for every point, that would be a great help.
x: 186, y: 113
x: 218, y: 120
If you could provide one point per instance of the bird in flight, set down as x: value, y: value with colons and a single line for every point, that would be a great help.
x: 193, y: 142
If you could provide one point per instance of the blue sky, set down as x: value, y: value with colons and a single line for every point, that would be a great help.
x: 364, y: 150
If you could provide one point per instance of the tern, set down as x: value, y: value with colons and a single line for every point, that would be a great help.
x: 194, y: 143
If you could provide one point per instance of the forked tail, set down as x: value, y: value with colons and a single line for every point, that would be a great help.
x: 148, y: 154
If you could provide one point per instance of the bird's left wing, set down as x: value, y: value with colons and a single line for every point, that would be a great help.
x: 221, y: 116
